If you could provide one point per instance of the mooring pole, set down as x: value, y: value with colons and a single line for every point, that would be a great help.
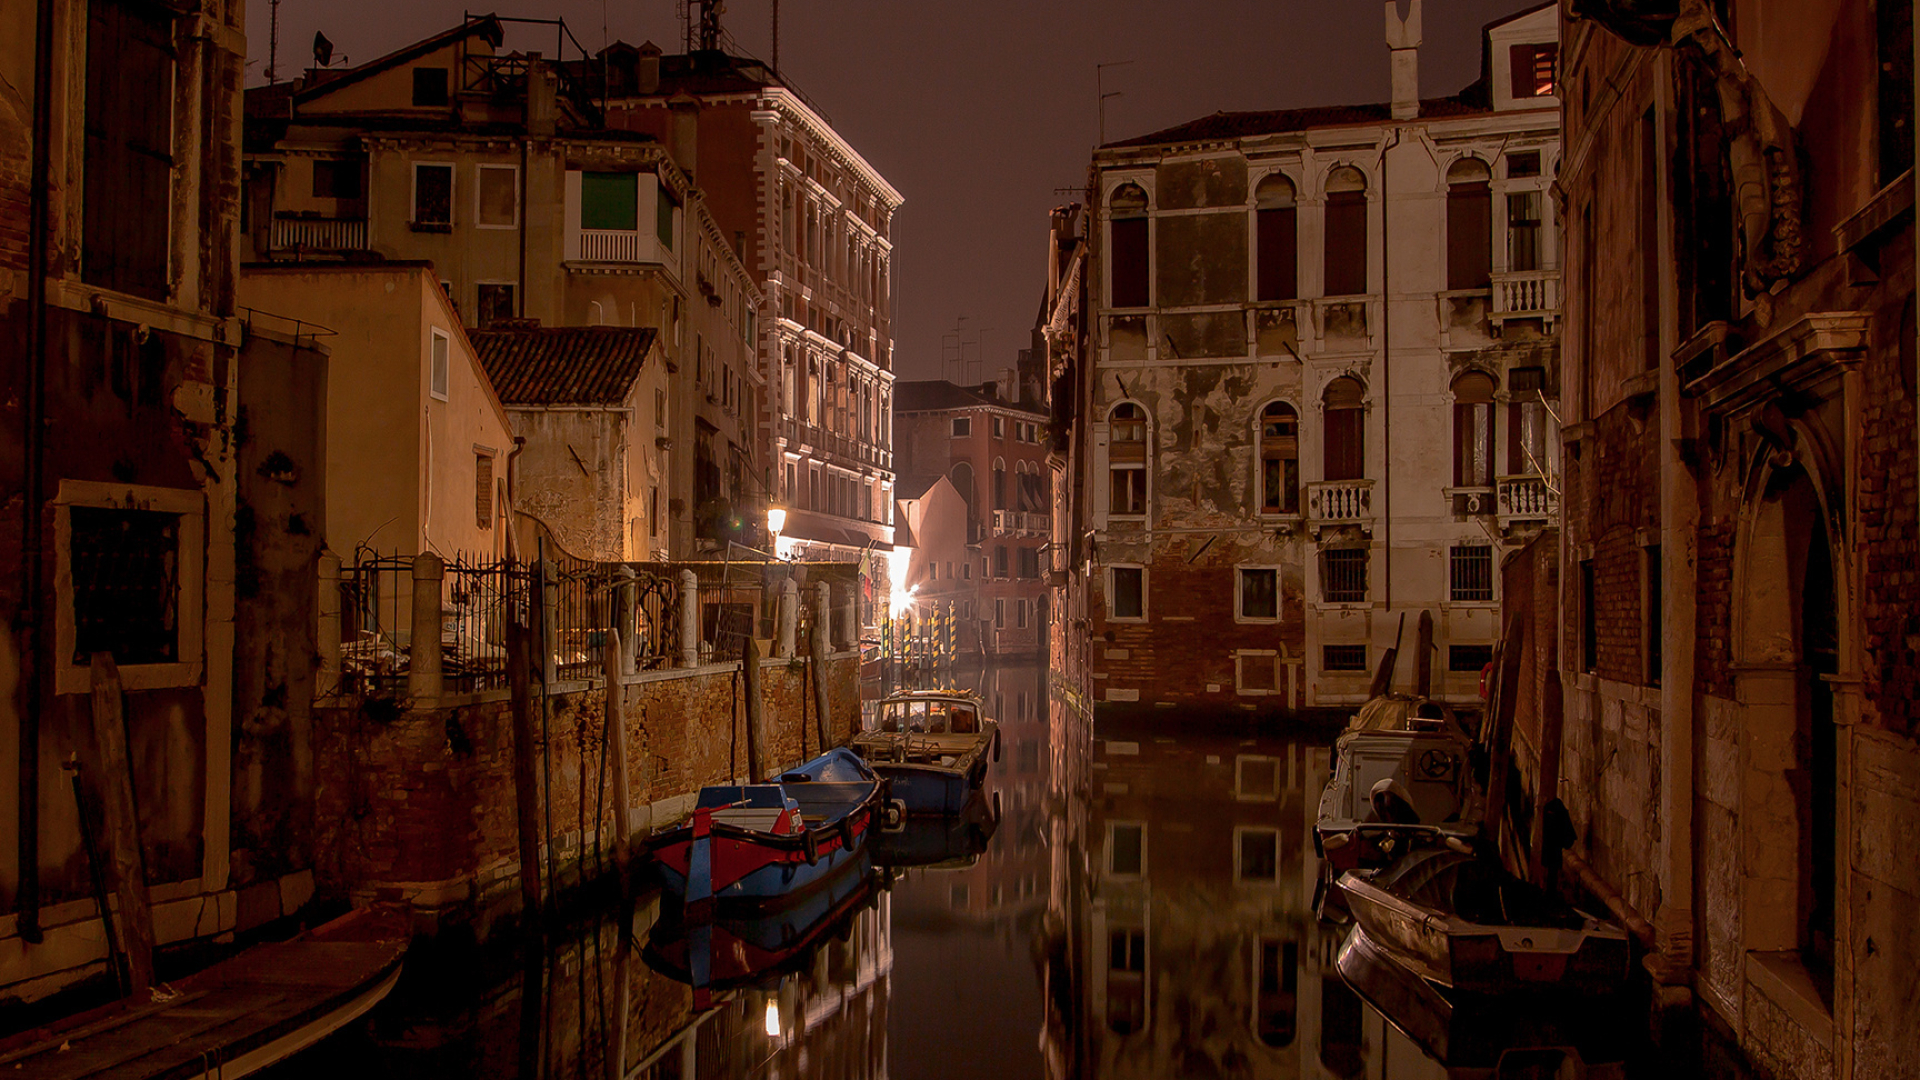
x: 617, y: 743
x: 750, y: 677
x: 526, y: 788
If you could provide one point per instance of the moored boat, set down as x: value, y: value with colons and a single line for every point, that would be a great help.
x: 770, y: 842
x: 1459, y: 920
x: 1393, y: 790
x: 931, y: 746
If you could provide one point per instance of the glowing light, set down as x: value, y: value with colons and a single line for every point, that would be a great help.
x: 899, y: 595
x: 773, y: 1019
x: 776, y: 519
x: 785, y: 548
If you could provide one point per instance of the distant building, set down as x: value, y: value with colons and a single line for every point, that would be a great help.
x: 993, y: 450
x: 500, y: 170
x: 812, y: 221
x: 1312, y: 403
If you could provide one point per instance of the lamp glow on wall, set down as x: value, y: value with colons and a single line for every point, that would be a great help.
x: 899, y: 593
x: 776, y: 521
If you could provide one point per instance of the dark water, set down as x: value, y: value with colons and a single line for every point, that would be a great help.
x: 1141, y: 907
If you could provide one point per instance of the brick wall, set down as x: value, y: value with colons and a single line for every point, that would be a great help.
x: 419, y: 805
x: 1890, y: 607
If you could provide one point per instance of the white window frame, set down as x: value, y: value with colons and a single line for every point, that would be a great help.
x: 1146, y: 610
x: 999, y: 427
x: 444, y: 373
x: 1239, y: 879
x: 1241, y: 616
x: 1262, y: 657
x: 413, y: 192
x: 1106, y: 854
x: 190, y: 613
x: 479, y: 221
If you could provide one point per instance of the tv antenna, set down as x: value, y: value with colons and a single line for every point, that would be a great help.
x: 1099, y: 81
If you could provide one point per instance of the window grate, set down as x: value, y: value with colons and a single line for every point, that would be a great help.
x: 1343, y: 575
x: 1472, y: 573
x: 126, y: 581
x: 1343, y: 657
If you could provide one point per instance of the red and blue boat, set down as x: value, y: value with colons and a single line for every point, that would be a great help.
x: 769, y: 843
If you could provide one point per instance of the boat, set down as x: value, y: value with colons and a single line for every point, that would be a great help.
x: 1394, y: 788
x: 251, y: 1011
x: 932, y: 746
x: 1472, y: 1033
x: 1458, y: 919
x: 715, y: 954
x: 770, y: 842
x: 945, y: 842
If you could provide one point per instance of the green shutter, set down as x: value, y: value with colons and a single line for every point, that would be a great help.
x: 609, y: 201
x: 665, y: 205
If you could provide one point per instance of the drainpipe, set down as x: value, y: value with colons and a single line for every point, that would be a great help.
x: 32, y: 652
x: 513, y: 502
x: 1386, y: 381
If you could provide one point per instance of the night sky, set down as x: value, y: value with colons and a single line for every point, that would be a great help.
x: 977, y: 111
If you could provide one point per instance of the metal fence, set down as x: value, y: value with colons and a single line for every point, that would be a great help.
x: 479, y: 602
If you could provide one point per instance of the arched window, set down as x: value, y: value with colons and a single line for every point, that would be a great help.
x: 1127, y: 459
x: 1473, y: 430
x: 1279, y: 459
x: 1276, y: 239
x: 1000, y: 484
x: 1127, y: 257
x: 1346, y: 251
x: 1344, y: 452
x: 1469, y: 225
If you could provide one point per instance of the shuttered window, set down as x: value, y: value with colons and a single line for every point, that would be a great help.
x: 1469, y: 235
x: 1128, y: 259
x: 433, y: 195
x: 609, y: 201
x: 1276, y: 240
x: 1535, y: 69
x: 128, y: 189
x: 1346, y: 250
x: 663, y: 209
x: 1344, y: 445
x: 483, y: 490
x: 1473, y: 430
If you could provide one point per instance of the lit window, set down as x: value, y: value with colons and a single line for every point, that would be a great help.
x: 1535, y: 69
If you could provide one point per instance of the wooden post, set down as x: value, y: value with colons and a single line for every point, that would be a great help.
x: 1423, y: 655
x: 526, y: 789
x: 123, y: 822
x: 617, y: 744
x: 822, y: 629
x: 1500, y: 732
x: 750, y: 688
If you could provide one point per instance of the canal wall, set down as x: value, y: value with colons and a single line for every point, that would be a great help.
x: 415, y: 801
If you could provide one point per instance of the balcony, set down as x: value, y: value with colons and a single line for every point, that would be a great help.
x: 1526, y: 294
x: 1526, y: 500
x: 318, y: 235
x: 1020, y: 523
x: 613, y: 245
x: 1340, y: 502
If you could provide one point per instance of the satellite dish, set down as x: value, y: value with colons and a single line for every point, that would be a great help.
x: 322, y: 50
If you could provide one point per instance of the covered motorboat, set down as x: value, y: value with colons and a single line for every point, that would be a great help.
x: 770, y: 842
x: 931, y: 746
x: 1394, y: 789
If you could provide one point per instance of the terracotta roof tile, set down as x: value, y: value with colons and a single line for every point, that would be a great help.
x: 564, y: 365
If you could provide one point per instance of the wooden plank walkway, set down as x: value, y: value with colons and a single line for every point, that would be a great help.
x: 238, y: 1016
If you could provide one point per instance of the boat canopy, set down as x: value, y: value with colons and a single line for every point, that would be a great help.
x: 930, y: 715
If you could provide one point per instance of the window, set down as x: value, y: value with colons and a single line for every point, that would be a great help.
x: 999, y: 428
x: 1346, y: 251
x: 129, y: 148
x: 126, y: 583
x: 433, y: 195
x: 1276, y: 239
x: 1276, y: 984
x: 1344, y: 449
x: 333, y: 179
x: 962, y: 427
x: 430, y: 87
x: 1469, y: 659
x: 966, y: 570
x: 1343, y: 575
x: 664, y: 208
x: 999, y: 482
x: 1523, y: 163
x: 1589, y: 619
x: 1126, y: 981
x: 1343, y: 657
x: 1535, y: 69
x: 1526, y: 422
x: 1029, y: 562
x: 483, y: 490
x: 437, y: 373
x: 1127, y: 259
x: 496, y: 302
x: 1000, y: 561
x: 1523, y: 231
x: 1279, y: 459
x: 1256, y: 855
x: 933, y: 571
x: 1020, y: 614
x: 1473, y: 430
x: 1472, y: 573
x: 497, y: 197
x: 609, y: 201
x: 1469, y: 225
x: 1259, y: 594
x: 1255, y: 778
x: 1127, y: 592
x: 1127, y: 459
x: 660, y: 412
x: 1126, y: 848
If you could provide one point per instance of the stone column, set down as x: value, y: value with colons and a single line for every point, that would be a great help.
x: 329, y: 625
x: 789, y: 619
x: 689, y: 619
x: 850, y: 617
x: 423, y: 647
x: 623, y: 618
x: 822, y: 631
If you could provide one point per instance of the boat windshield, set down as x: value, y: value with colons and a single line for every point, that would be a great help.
x: 930, y: 716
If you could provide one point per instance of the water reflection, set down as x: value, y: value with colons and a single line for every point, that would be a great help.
x: 1119, y: 903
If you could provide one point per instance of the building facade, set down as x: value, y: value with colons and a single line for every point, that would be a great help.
x: 993, y: 449
x: 500, y: 171
x: 1729, y: 608
x: 1318, y: 359
x: 812, y: 221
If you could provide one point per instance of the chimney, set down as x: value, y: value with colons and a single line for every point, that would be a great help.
x: 649, y: 71
x: 1403, y: 41
x: 685, y: 144
x: 542, y: 93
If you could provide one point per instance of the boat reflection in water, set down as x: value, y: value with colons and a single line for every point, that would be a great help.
x: 939, y: 841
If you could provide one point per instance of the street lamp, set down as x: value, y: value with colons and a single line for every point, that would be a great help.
x: 776, y: 521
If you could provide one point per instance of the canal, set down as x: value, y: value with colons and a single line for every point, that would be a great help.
x: 1123, y: 903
